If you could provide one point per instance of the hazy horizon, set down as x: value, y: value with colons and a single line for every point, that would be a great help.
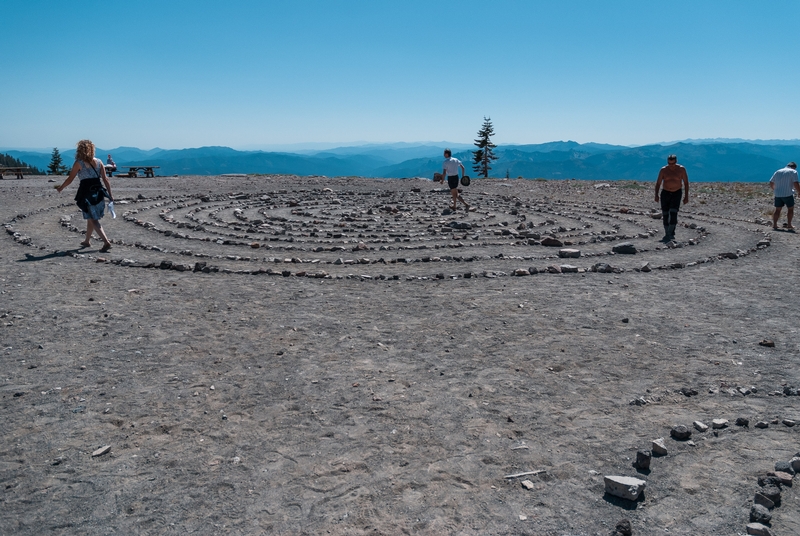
x: 278, y: 74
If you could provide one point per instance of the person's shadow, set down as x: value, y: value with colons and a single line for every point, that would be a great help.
x: 29, y: 257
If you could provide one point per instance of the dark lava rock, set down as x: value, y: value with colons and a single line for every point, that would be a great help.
x: 626, y: 248
x: 623, y: 528
x: 765, y: 481
x: 773, y: 493
x: 643, y: 458
x: 742, y: 421
x: 768, y: 343
x: 552, y: 242
x: 759, y: 514
x: 680, y: 432
x: 687, y: 391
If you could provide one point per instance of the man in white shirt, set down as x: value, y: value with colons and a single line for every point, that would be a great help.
x: 450, y: 171
x: 783, y: 184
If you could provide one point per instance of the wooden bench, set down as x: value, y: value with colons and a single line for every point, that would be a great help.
x: 18, y: 171
x: 133, y: 171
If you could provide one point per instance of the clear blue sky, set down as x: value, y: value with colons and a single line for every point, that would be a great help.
x: 248, y: 73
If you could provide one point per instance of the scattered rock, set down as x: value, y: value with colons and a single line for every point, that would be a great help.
x: 784, y: 467
x: 762, y: 424
x: 700, y: 427
x: 527, y: 484
x: 773, y: 493
x: 568, y: 269
x: 625, y: 248
x: 789, y: 422
x: 687, y: 391
x: 623, y: 528
x: 658, y: 447
x: 568, y: 253
x: 785, y: 479
x: 757, y: 529
x: 643, y: 458
x: 102, y: 450
x: 759, y: 498
x: 795, y: 463
x: 680, y: 432
x: 718, y: 424
x: 759, y: 514
x: 551, y: 242
x: 768, y: 343
x: 625, y: 487
x: 742, y: 421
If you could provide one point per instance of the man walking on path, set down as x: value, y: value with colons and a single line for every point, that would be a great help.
x: 783, y: 183
x: 671, y: 177
x: 450, y: 171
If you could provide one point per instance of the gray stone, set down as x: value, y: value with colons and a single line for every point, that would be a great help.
x: 762, y: 424
x: 759, y: 514
x: 789, y: 422
x: 717, y: 424
x: 625, y: 487
x: 757, y: 529
x: 784, y: 467
x: 680, y: 432
x: 568, y: 253
x: 759, y: 498
x: 569, y: 269
x: 658, y: 447
x: 742, y: 421
x: 645, y: 267
x: 625, y: 248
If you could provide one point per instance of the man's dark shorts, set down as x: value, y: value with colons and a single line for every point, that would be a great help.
x: 452, y: 181
x: 781, y: 201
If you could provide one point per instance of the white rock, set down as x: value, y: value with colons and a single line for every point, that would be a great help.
x: 527, y: 484
x: 659, y: 447
x: 719, y: 423
x: 101, y: 451
x: 625, y: 487
x: 700, y: 427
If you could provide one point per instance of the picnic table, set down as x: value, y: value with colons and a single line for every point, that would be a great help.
x: 15, y: 170
x: 133, y: 171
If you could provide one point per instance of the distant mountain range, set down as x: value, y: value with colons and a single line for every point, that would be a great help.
x: 705, y: 160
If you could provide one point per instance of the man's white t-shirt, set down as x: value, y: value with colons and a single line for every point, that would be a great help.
x: 451, y: 166
x: 784, y: 180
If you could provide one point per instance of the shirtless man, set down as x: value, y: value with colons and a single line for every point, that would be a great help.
x: 671, y: 177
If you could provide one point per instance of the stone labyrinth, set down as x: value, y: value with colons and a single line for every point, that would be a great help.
x: 396, y: 230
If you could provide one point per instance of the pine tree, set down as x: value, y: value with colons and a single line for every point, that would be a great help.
x: 56, y: 165
x: 484, y: 156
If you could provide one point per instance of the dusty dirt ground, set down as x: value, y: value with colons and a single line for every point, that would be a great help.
x: 375, y: 366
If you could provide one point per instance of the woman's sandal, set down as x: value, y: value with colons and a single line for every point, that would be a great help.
x: 105, y: 248
x: 85, y: 244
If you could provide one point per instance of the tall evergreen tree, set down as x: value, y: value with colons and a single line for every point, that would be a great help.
x: 484, y: 156
x: 56, y: 165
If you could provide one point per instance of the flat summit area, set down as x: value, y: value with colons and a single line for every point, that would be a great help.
x: 305, y: 355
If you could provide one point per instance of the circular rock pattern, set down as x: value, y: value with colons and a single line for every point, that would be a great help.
x: 397, y: 230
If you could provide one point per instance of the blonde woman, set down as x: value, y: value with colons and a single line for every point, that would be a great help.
x: 91, y: 194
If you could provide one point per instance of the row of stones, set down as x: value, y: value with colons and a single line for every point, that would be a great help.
x: 765, y: 499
